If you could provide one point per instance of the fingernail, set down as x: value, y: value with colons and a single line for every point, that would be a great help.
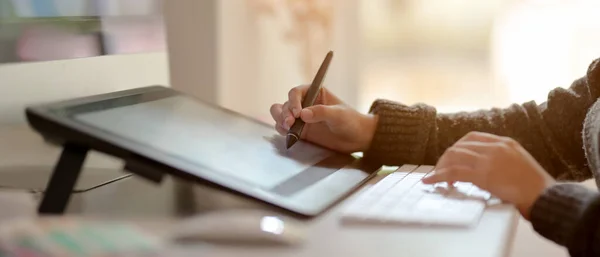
x: 296, y: 112
x: 427, y: 178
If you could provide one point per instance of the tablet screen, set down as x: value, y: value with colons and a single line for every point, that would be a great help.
x: 206, y: 136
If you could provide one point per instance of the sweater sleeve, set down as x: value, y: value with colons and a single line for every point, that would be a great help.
x: 567, y: 214
x: 550, y: 131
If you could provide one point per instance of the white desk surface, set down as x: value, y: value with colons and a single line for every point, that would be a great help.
x: 327, y: 236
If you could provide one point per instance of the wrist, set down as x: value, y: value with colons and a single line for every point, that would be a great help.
x: 369, y: 125
x: 526, y: 207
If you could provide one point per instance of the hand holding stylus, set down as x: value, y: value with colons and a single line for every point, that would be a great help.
x: 328, y: 122
x: 312, y: 93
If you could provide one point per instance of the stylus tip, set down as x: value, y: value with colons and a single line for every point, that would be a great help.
x: 291, y: 139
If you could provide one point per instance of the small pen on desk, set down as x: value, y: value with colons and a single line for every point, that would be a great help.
x: 295, y: 131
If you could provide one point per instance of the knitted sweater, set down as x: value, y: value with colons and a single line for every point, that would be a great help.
x: 561, y: 134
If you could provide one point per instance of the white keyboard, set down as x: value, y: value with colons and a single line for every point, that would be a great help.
x: 401, y: 198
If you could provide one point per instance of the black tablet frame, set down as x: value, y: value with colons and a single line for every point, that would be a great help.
x: 77, y: 139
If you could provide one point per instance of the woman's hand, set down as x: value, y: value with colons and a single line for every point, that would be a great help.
x: 329, y: 122
x: 497, y: 164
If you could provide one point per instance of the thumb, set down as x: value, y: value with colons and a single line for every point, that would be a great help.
x: 319, y: 113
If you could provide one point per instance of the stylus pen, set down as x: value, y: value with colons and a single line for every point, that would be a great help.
x: 295, y: 131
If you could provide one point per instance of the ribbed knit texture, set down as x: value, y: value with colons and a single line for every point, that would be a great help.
x: 550, y: 131
x: 561, y: 134
x: 402, y: 132
x: 556, y: 213
x: 568, y: 215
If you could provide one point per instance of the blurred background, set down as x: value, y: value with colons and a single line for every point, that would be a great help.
x: 457, y: 55
x: 44, y: 30
x: 453, y: 54
x: 465, y: 55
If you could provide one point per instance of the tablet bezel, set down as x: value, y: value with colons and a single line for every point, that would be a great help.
x: 52, y: 121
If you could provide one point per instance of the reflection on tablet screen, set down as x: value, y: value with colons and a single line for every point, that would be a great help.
x: 184, y: 128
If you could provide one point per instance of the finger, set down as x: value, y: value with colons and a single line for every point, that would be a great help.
x: 319, y: 113
x: 287, y: 119
x: 481, y: 137
x: 452, y: 174
x: 295, y: 97
x: 276, y: 112
x: 280, y: 130
x: 457, y: 156
x: 476, y: 146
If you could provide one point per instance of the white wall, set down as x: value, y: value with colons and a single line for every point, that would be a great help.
x: 279, y: 65
x: 22, y: 84
x: 253, y: 65
x: 554, y: 38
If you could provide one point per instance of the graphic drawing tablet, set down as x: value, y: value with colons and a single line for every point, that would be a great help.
x: 195, y: 140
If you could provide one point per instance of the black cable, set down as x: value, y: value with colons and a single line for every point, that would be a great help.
x: 77, y: 191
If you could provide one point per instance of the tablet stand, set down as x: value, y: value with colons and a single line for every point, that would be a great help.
x: 63, y: 179
x: 66, y: 172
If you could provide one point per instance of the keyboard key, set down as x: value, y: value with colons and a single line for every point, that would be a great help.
x: 412, y: 196
x: 427, y: 203
x: 478, y: 193
x: 423, y: 170
x: 455, y: 194
x: 387, y: 182
x: 463, y: 187
x: 388, y: 201
x: 416, y: 175
x: 399, y: 190
x: 399, y: 175
x: 472, y: 205
x: 367, y: 197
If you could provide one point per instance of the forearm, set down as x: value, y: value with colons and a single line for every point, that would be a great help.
x: 402, y: 133
x: 419, y: 135
x: 550, y: 132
